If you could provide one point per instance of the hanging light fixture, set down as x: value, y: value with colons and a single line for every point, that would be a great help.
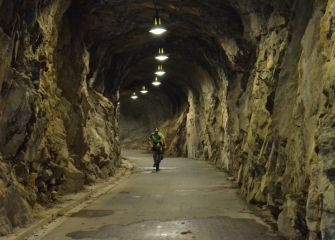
x: 156, y: 82
x: 157, y: 29
x: 161, y: 56
x: 144, y: 90
x: 160, y: 71
x: 134, y: 96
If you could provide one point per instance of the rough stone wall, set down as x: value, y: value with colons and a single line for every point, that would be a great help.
x: 175, y: 134
x: 197, y: 131
x: 277, y: 138
x: 321, y: 192
x: 281, y: 120
x: 56, y: 133
x: 206, y: 119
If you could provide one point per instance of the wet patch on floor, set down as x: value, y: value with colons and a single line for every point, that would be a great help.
x: 124, y: 192
x: 91, y: 213
x: 214, y: 228
x: 218, y: 188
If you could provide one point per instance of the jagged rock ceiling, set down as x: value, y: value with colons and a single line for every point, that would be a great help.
x: 119, y: 30
x: 205, y: 40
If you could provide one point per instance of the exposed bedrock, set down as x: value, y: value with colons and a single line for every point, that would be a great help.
x: 250, y: 87
x: 56, y: 132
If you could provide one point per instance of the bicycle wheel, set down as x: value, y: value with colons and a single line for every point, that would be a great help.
x: 157, y: 159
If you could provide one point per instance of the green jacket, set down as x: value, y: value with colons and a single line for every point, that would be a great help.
x: 156, y: 138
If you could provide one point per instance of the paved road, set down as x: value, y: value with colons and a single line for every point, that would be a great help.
x: 187, y: 199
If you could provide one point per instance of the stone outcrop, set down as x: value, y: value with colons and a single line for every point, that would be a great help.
x: 281, y: 163
x: 56, y: 132
x: 277, y: 136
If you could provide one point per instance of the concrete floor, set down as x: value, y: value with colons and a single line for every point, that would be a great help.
x: 187, y: 199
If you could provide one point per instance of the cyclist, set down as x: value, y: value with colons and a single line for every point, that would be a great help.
x: 157, y: 144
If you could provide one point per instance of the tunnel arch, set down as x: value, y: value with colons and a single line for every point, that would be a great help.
x: 249, y: 88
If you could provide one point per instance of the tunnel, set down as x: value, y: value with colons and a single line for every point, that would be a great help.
x: 249, y: 88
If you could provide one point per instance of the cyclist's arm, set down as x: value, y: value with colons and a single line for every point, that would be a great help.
x: 150, y: 142
x: 163, y: 139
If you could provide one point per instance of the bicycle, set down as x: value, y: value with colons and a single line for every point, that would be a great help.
x: 157, y: 156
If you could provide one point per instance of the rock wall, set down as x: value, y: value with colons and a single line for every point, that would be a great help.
x: 260, y: 104
x: 56, y: 133
x: 278, y: 136
x: 272, y: 127
x: 206, y: 118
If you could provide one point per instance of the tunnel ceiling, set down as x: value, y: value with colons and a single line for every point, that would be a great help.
x: 124, y: 24
x: 123, y: 50
x: 117, y: 34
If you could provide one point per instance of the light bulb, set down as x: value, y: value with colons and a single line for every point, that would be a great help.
x: 144, y: 90
x: 157, y: 29
x: 161, y: 56
x: 156, y: 82
x: 160, y: 71
x: 134, y: 96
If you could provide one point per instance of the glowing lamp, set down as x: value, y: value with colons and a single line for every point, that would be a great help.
x: 161, y: 56
x: 160, y: 71
x: 134, y: 96
x: 144, y: 90
x: 157, y: 29
x: 156, y: 82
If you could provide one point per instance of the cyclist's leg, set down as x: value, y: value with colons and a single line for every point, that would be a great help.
x: 158, y: 159
x: 162, y: 153
x: 154, y: 155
